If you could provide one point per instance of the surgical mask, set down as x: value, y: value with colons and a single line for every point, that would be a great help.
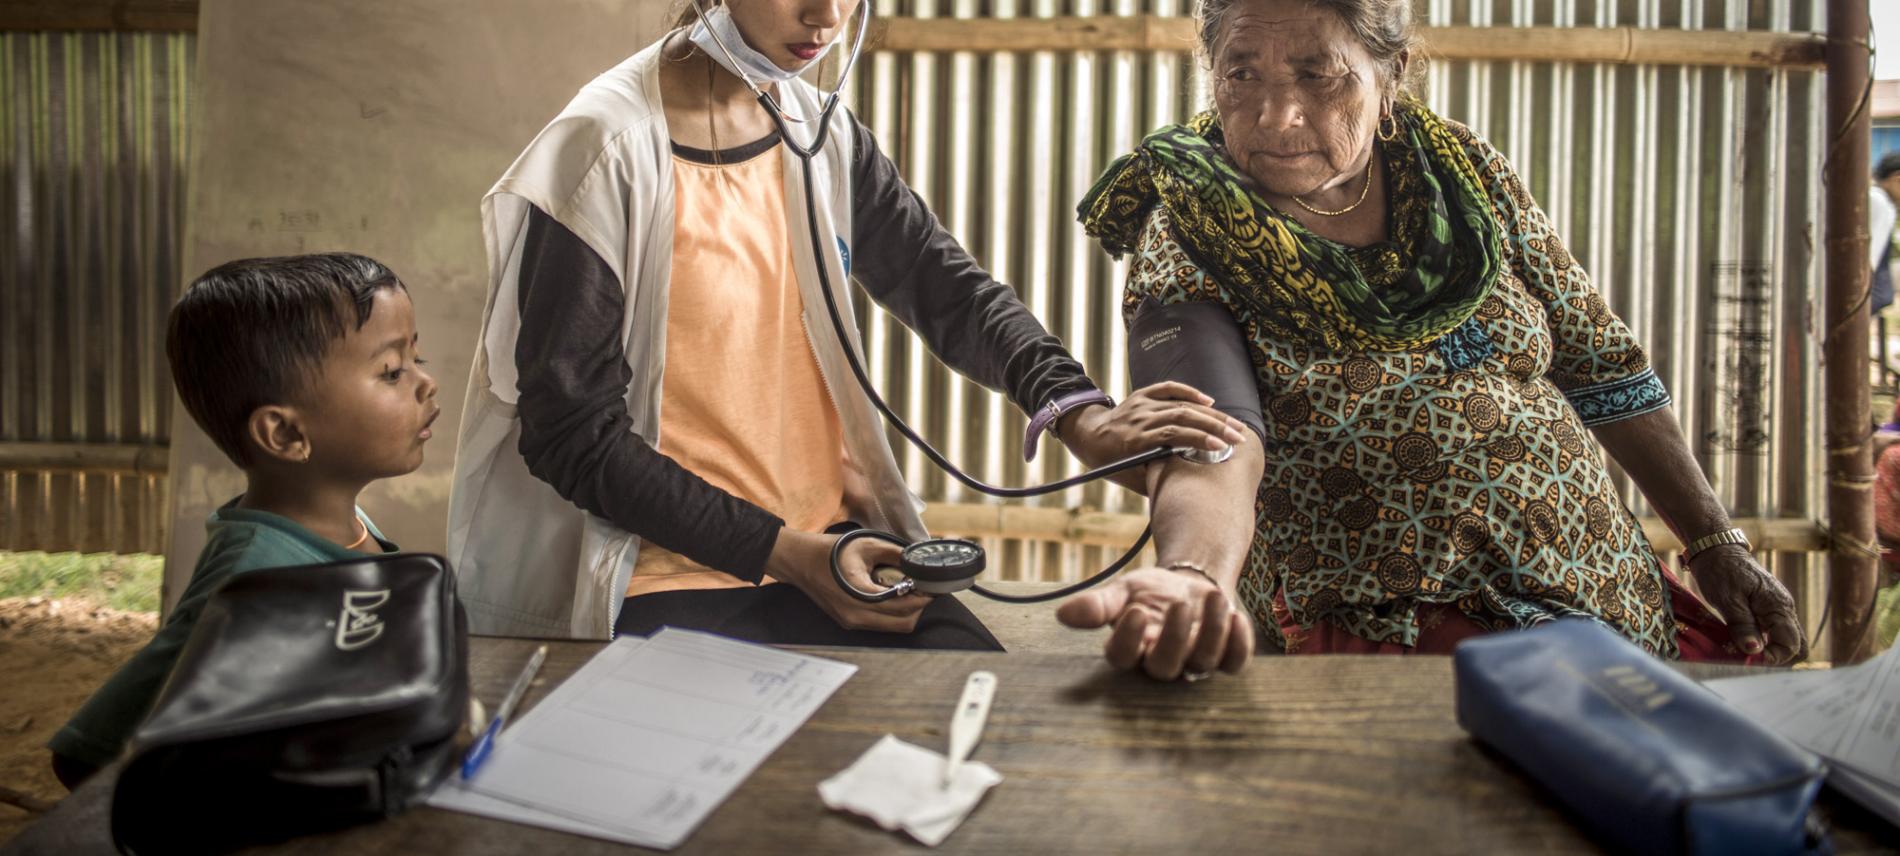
x: 719, y: 38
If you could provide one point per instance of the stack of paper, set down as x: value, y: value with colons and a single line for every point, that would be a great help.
x: 1850, y: 716
x: 648, y: 738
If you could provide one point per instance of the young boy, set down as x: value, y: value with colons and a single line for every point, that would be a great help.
x: 304, y: 371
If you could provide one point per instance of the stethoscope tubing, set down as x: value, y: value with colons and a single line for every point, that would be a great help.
x: 805, y: 154
x: 857, y: 370
x: 907, y: 585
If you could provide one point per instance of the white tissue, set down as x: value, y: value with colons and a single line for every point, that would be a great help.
x: 900, y: 786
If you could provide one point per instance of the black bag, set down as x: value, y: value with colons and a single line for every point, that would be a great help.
x: 307, y: 698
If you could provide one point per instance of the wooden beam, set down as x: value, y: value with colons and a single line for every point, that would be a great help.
x: 976, y: 520
x: 1084, y: 526
x: 1150, y: 33
x: 88, y: 458
x: 1141, y: 33
x: 1629, y: 46
x: 1767, y: 534
x: 1000, y: 35
x: 1080, y: 526
x: 174, y: 16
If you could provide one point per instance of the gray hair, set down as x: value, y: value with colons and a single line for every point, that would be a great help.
x: 1383, y: 27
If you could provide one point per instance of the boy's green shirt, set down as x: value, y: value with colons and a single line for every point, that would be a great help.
x: 240, y: 540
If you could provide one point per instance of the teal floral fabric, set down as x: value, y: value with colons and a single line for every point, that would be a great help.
x: 1459, y: 472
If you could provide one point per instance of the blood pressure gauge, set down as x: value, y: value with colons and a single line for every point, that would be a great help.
x: 943, y: 565
x: 932, y: 566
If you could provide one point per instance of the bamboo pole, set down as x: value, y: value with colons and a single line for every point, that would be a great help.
x: 91, y: 458
x: 1143, y: 33
x: 1101, y: 528
x: 975, y: 520
x: 1852, y: 561
x: 1151, y: 33
x: 173, y: 16
x: 1627, y: 46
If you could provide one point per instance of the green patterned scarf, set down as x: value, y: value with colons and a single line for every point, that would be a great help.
x: 1303, y: 287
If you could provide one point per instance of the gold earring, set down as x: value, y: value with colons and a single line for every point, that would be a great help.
x: 1385, y: 136
x: 306, y: 455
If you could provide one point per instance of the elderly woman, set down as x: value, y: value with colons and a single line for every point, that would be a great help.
x: 1432, y: 364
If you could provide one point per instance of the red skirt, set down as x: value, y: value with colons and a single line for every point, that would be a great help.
x: 1701, y: 634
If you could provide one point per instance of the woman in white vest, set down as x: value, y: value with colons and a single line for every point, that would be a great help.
x: 660, y: 419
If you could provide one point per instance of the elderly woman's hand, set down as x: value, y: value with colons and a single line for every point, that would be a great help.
x: 1752, y: 601
x: 1170, y: 623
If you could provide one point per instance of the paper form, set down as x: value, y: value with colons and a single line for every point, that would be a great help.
x: 1850, y: 716
x: 648, y: 738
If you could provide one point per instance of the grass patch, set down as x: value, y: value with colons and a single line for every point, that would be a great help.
x: 128, y: 582
x: 1887, y: 618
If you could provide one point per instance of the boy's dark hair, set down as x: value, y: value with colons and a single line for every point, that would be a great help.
x: 253, y: 332
x: 1888, y: 165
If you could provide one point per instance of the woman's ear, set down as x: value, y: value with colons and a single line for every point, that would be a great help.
x: 277, y: 433
x: 1400, y: 64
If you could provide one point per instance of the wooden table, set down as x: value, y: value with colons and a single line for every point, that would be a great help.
x: 1297, y: 755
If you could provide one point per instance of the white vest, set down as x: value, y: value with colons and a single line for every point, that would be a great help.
x: 529, y: 562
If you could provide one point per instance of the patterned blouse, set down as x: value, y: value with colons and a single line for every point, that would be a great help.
x: 1459, y: 473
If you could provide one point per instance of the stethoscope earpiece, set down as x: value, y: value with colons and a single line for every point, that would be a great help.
x: 779, y: 114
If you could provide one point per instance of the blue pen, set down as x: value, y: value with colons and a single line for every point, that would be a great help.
x: 483, y: 744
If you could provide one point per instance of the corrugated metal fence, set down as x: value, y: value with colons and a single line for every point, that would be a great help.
x: 93, y: 142
x: 1693, y: 196
x: 1690, y: 192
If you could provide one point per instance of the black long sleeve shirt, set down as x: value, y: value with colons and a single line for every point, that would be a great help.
x: 575, y: 431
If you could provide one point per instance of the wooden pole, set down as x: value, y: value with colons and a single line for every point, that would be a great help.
x: 1103, y: 528
x: 98, y: 458
x: 167, y: 16
x: 1852, y: 560
x: 1141, y: 33
x: 1627, y: 46
x: 1151, y: 33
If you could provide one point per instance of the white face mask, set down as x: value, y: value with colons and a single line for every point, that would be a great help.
x: 737, y: 56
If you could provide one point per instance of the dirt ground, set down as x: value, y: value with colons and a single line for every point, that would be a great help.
x: 53, y: 654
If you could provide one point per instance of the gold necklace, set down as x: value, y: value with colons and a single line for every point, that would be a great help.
x: 1348, y: 209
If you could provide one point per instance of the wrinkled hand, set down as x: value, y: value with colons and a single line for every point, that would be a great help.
x: 1753, y: 603
x: 1164, y: 414
x: 804, y: 560
x: 1167, y: 622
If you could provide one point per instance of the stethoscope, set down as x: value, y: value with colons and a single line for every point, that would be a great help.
x: 933, y: 566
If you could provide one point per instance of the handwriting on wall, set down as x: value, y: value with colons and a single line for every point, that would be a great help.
x: 1742, y: 357
x: 300, y: 225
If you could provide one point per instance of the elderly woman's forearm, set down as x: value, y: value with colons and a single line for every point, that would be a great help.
x: 1652, y: 450
x: 1204, y: 513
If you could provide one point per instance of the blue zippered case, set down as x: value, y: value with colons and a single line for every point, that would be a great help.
x: 1647, y: 760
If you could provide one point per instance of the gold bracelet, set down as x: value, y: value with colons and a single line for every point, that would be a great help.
x: 1716, y: 539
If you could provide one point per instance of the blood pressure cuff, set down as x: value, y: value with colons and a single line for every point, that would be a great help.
x: 1647, y: 760
x: 1198, y: 344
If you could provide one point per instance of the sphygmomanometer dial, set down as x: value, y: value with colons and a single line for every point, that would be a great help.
x: 943, y: 559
